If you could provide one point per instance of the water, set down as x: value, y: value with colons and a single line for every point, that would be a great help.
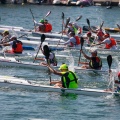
x: 29, y: 105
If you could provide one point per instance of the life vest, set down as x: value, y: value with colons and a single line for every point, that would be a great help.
x: 41, y: 28
x: 48, y: 27
x: 113, y: 42
x: 53, y: 60
x: 100, y: 35
x: 17, y: 46
x: 95, y: 63
x: 69, y: 80
x: 77, y: 41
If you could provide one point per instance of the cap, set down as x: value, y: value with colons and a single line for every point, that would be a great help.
x: 45, y: 20
x: 88, y: 33
x: 107, y: 35
x: 93, y: 50
x: 41, y: 21
x: 6, y: 31
x: 63, y: 67
x: 118, y: 74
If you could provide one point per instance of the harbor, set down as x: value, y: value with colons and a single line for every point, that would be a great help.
x: 64, y: 2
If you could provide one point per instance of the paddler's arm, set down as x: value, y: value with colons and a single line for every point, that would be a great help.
x: 54, y: 71
x: 97, y: 44
x: 87, y: 57
x: 5, y: 44
x: 84, y: 63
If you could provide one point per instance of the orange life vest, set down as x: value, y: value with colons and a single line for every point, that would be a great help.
x: 48, y: 27
x: 113, y: 42
x: 77, y: 41
x: 17, y: 46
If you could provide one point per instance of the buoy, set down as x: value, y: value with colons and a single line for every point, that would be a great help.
x: 22, y: 3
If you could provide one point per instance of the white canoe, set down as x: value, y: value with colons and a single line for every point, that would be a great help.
x: 49, y: 40
x: 12, y: 62
x: 50, y: 35
x: 14, y: 83
x: 103, y: 50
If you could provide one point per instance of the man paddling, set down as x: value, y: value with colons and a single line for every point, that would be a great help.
x: 68, y: 78
x: 110, y: 43
x: 95, y: 61
x: 74, y: 41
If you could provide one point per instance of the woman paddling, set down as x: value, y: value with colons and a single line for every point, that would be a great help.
x: 49, y: 56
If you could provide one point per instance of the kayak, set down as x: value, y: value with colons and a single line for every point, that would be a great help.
x: 49, y: 40
x: 12, y: 62
x: 50, y: 35
x: 104, y: 50
x: 14, y: 83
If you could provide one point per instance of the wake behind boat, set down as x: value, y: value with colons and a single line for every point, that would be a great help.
x: 14, y: 83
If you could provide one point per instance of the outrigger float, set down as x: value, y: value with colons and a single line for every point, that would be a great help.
x: 14, y: 83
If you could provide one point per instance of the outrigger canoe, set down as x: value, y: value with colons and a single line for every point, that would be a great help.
x: 12, y: 62
x: 15, y: 83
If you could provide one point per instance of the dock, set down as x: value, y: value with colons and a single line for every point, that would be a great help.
x: 106, y: 2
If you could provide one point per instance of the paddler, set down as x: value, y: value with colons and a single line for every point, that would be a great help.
x: 99, y: 32
x: 16, y: 46
x: 68, y: 78
x: 95, y: 62
x: 74, y: 41
x: 110, y: 43
x: 89, y: 39
x: 6, y: 37
x: 50, y: 56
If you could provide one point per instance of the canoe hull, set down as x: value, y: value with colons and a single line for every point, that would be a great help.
x: 14, y: 83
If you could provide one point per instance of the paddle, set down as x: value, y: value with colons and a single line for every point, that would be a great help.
x: 118, y: 26
x: 62, y: 21
x: 42, y: 40
x: 109, y: 61
x: 82, y: 42
x: 33, y: 18
x: 88, y: 22
x: 79, y: 18
x: 48, y: 13
x: 67, y: 21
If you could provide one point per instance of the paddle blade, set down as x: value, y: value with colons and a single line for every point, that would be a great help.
x: 49, y: 12
x: 109, y: 60
x: 82, y: 41
x: 62, y: 15
x: 79, y: 18
x: 67, y: 21
x: 118, y: 26
x: 43, y: 38
x: 88, y: 22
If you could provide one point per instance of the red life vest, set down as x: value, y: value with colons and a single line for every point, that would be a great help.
x: 113, y: 42
x: 48, y: 27
x: 100, y: 35
x: 77, y: 41
x: 17, y: 47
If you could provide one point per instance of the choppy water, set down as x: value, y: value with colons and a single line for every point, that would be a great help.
x: 30, y: 105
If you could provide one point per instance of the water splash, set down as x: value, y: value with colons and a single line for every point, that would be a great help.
x: 71, y: 63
